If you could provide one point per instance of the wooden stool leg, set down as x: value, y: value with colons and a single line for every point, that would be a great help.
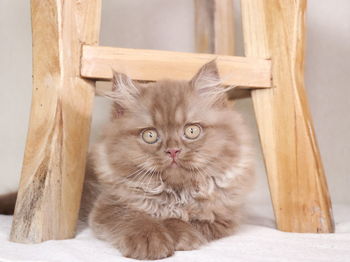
x: 54, y: 161
x: 214, y: 26
x: 275, y: 29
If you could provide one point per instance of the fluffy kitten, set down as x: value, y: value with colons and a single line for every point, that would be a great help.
x: 172, y: 166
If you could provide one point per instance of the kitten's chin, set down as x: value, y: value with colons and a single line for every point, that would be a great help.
x: 174, y: 165
x: 174, y: 175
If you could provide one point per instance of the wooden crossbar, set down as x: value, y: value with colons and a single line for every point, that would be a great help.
x: 152, y: 65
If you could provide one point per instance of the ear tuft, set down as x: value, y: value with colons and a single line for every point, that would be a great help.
x: 207, y: 79
x: 123, y: 83
x: 124, y: 93
x: 207, y: 83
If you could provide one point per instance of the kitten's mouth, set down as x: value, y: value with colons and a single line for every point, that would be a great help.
x: 178, y: 164
x: 173, y: 164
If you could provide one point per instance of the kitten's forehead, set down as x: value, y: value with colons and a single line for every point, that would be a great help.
x: 167, y: 102
x: 169, y: 105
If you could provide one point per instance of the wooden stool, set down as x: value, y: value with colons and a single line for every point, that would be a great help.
x: 67, y: 62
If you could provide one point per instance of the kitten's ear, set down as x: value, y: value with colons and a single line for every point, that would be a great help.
x: 207, y: 79
x: 124, y: 93
x: 207, y: 83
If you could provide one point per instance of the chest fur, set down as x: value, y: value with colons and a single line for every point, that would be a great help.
x: 183, y: 205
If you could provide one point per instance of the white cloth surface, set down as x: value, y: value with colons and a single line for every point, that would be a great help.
x: 257, y: 240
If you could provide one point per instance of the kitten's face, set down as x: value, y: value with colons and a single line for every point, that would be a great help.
x: 172, y: 131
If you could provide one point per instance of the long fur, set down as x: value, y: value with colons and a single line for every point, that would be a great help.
x: 147, y: 209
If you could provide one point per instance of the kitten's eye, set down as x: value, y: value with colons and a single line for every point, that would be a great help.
x: 150, y: 136
x: 192, y: 131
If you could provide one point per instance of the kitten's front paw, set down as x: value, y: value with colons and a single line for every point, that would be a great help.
x: 185, y: 235
x: 148, y: 241
x: 190, y: 240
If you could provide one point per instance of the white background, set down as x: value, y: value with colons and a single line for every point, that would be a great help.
x: 166, y: 24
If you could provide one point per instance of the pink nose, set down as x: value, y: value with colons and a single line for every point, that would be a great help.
x: 173, y: 152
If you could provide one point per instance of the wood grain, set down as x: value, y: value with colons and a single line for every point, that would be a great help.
x: 54, y: 161
x: 276, y: 29
x: 214, y: 26
x: 214, y: 32
x: 153, y: 65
